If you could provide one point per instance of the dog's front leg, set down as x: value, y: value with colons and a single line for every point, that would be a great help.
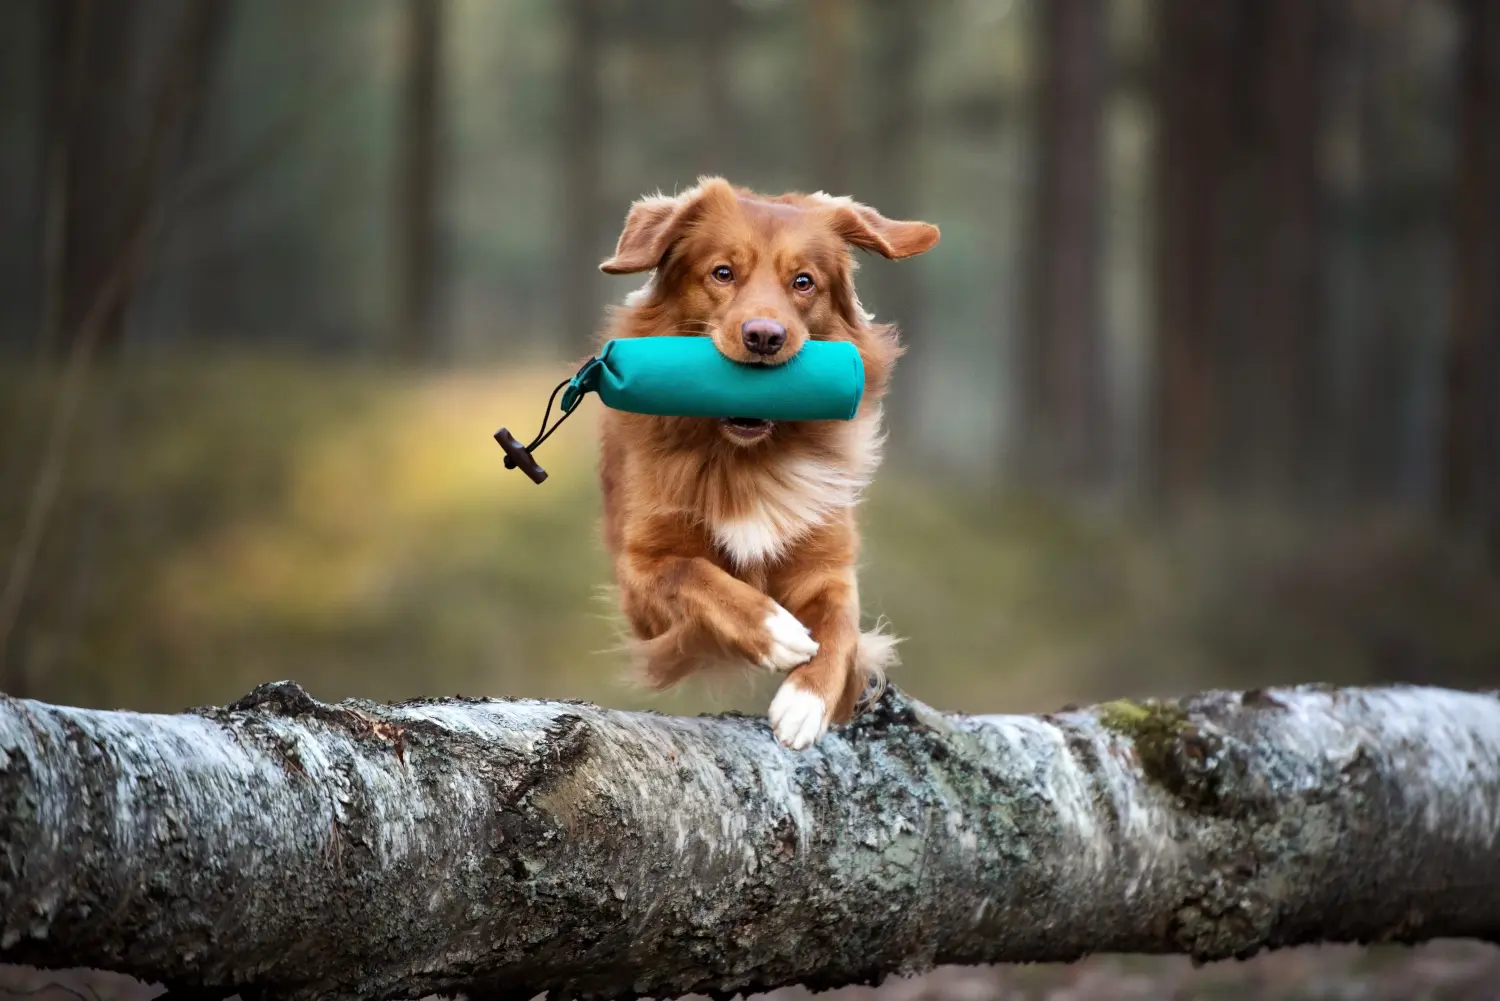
x: 826, y: 689
x: 688, y: 613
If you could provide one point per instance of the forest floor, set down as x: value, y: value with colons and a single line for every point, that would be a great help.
x: 1439, y: 971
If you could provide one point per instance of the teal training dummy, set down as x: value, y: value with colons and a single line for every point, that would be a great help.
x: 688, y: 377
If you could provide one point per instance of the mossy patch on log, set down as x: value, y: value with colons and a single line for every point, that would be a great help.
x: 1174, y: 751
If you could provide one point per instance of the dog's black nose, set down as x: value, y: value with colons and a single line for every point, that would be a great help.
x: 764, y: 337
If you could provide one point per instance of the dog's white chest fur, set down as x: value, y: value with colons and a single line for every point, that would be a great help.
x: 754, y: 539
x: 794, y: 497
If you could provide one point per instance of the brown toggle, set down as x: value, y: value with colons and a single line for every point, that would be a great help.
x: 516, y: 455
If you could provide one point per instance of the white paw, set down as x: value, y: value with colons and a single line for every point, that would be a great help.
x: 798, y: 717
x: 791, y: 642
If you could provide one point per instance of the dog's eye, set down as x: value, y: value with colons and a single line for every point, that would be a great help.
x: 803, y: 282
x: 723, y: 273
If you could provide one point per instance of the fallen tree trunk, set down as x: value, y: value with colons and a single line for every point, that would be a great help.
x: 284, y: 847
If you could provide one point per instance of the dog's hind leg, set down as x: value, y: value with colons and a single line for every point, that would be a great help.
x: 675, y: 655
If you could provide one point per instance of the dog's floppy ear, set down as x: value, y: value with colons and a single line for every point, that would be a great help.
x: 654, y: 222
x: 649, y: 229
x: 891, y: 238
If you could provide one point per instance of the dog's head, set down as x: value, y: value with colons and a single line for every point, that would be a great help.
x: 760, y: 274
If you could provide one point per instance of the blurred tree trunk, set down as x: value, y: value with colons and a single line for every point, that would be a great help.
x: 126, y: 90
x: 716, y: 30
x: 1290, y: 405
x: 893, y: 182
x: 827, y: 123
x: 582, y: 173
x: 1396, y: 238
x: 1364, y: 44
x: 1471, y: 466
x: 101, y: 137
x: 420, y: 155
x: 1241, y: 397
x: 1065, y: 408
x: 67, y: 25
x: 1192, y: 151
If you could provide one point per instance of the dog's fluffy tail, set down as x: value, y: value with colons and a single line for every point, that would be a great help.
x: 875, y: 656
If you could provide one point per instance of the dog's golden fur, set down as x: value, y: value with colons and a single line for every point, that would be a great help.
x: 734, y: 543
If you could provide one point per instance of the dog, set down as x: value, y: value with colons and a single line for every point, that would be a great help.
x: 734, y: 542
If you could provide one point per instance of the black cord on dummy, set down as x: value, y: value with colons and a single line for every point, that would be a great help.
x: 518, y: 455
x: 544, y: 433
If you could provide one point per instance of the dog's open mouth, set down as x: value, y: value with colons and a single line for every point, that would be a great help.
x: 746, y: 429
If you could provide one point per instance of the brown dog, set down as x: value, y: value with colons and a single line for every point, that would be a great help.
x: 734, y: 541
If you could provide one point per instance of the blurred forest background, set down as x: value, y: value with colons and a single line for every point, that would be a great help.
x: 1203, y: 384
